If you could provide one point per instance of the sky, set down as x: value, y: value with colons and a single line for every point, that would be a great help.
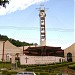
x: 20, y: 21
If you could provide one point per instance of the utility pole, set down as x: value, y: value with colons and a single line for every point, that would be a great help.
x: 3, y: 52
x: 23, y: 49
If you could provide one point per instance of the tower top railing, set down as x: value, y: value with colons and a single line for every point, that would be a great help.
x: 42, y: 7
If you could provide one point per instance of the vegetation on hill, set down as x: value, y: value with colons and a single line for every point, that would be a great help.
x: 15, y: 42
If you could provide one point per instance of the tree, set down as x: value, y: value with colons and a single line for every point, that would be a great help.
x: 15, y: 42
x: 3, y: 3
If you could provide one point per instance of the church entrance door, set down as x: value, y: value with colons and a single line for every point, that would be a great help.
x: 69, y: 57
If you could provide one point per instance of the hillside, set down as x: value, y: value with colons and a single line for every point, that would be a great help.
x: 15, y: 42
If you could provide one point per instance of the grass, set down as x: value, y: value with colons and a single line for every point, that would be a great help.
x: 52, y: 69
x: 48, y: 69
x: 72, y: 66
x: 5, y: 65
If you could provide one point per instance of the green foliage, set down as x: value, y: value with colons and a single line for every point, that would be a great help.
x: 4, y: 2
x: 44, y: 73
x: 15, y: 42
x: 5, y: 65
x: 37, y: 73
x: 3, y: 37
x: 45, y: 69
x: 12, y: 72
x: 6, y: 72
x: 72, y: 66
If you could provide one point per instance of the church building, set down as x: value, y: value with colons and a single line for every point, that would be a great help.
x: 42, y: 54
x: 8, y: 51
x: 69, y: 53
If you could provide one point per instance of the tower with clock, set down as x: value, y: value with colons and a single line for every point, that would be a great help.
x: 42, y: 16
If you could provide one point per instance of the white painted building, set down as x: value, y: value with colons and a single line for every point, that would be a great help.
x: 29, y: 60
x: 11, y: 51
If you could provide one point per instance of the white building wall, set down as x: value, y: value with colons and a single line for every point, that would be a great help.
x: 39, y: 59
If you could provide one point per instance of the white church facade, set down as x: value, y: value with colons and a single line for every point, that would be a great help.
x: 30, y: 60
x: 11, y: 51
x: 47, y: 55
x: 8, y: 52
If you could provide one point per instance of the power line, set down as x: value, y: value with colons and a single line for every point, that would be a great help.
x: 36, y: 28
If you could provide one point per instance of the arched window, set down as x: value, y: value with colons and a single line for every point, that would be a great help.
x: 8, y: 57
x: 69, y: 57
x: 17, y: 56
x: 60, y: 60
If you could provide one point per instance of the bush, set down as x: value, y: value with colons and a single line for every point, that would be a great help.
x: 37, y: 73
x: 12, y: 72
x: 71, y: 66
x: 5, y: 65
x: 44, y: 73
x: 52, y: 74
x: 29, y: 69
x: 5, y: 72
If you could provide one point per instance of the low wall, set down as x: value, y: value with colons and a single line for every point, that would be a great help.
x: 29, y: 60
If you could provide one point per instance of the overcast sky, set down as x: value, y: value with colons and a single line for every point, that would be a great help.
x: 20, y: 21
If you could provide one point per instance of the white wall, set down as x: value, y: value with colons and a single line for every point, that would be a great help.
x: 39, y: 59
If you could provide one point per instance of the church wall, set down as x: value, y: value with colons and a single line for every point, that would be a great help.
x: 0, y: 57
x: 10, y: 52
x: 10, y: 49
x: 29, y: 60
x: 0, y: 54
x: 71, y: 50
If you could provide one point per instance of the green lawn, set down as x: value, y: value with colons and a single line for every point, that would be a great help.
x: 48, y: 69
x: 5, y: 65
x: 52, y: 69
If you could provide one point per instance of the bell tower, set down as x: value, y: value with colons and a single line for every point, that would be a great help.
x: 42, y: 16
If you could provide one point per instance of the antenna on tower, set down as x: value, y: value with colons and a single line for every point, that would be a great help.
x: 42, y: 7
x: 41, y: 4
